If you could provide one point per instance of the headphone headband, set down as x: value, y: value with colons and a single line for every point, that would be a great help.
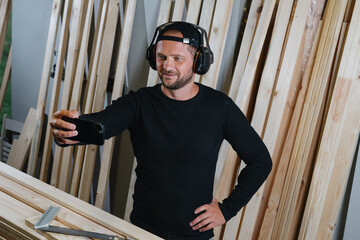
x: 203, y: 57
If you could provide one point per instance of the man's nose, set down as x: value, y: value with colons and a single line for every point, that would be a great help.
x: 168, y: 64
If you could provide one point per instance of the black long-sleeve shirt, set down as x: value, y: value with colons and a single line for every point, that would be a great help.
x: 176, y: 144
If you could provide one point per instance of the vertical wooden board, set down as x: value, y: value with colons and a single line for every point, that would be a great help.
x: 274, y: 198
x: 245, y: 47
x: 164, y: 16
x: 193, y: 11
x: 178, y: 10
x: 71, y: 65
x: 342, y: 97
x: 311, y: 111
x: 6, y: 77
x: 56, y: 90
x: 118, y: 89
x: 19, y: 152
x: 50, y: 45
x: 268, y: 78
x: 5, y: 9
x: 90, y: 94
x: 217, y: 39
x: 99, y: 96
x: 77, y: 89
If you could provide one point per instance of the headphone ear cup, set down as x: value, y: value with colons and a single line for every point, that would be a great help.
x: 202, y: 61
x: 150, y: 56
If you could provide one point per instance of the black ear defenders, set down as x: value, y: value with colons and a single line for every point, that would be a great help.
x: 203, y: 57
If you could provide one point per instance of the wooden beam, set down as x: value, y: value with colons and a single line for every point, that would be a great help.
x: 338, y: 140
x: 117, y: 92
x: 19, y: 152
x: 245, y: 47
x: 77, y: 89
x: 268, y: 219
x: 75, y: 204
x: 217, y: 39
x: 311, y: 111
x: 6, y: 77
x: 71, y: 65
x: 5, y: 9
x: 40, y: 109
x: 178, y: 10
x: 40, y: 203
x: 193, y: 11
x: 54, y: 101
x: 93, y: 71
x: 13, y: 213
x: 99, y: 96
x: 164, y: 16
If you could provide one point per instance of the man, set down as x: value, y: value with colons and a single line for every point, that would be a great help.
x: 176, y: 129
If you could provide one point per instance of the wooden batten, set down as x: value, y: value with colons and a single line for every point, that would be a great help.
x: 117, y: 92
x: 99, y: 95
x: 75, y: 204
x: 40, y: 109
x: 54, y: 101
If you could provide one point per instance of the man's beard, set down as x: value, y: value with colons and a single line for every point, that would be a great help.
x: 179, y: 83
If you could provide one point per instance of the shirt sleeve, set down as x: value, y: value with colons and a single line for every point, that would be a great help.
x: 118, y: 116
x: 250, y: 149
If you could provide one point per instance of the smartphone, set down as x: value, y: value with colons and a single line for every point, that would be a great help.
x: 89, y: 132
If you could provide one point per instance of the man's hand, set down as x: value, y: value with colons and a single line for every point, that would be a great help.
x: 211, y: 217
x: 62, y: 129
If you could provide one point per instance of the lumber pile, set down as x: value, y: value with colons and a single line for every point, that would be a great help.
x: 296, y: 78
x: 24, y: 199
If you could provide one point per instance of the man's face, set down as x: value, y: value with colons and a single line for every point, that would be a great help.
x: 174, y: 61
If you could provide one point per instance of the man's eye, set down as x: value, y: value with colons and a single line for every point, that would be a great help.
x: 178, y: 58
x: 161, y: 57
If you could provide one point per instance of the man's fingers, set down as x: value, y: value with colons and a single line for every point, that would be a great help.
x: 205, y: 221
x: 198, y: 220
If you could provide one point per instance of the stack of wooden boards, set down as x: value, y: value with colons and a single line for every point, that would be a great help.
x: 296, y: 78
x: 24, y: 199
x: 5, y: 9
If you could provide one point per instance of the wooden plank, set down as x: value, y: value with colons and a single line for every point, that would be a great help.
x: 75, y: 204
x: 40, y: 109
x: 6, y: 77
x: 117, y: 92
x: 5, y: 9
x: 20, y: 151
x: 246, y: 43
x: 274, y: 198
x: 244, y: 91
x: 40, y: 203
x: 54, y: 101
x: 178, y: 10
x: 76, y: 93
x: 311, y: 111
x: 13, y: 213
x: 193, y: 11
x: 8, y: 232
x: 345, y: 95
x: 93, y: 38
x: 71, y: 65
x: 99, y: 97
x: 164, y: 16
x: 94, y: 65
x: 217, y: 39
